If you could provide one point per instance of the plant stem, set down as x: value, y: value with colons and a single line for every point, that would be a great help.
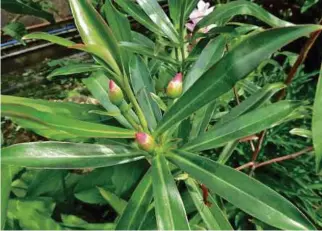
x: 137, y: 108
x: 124, y: 108
x: 275, y: 160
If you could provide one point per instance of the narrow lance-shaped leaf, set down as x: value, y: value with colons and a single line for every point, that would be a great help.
x: 158, y: 16
x: 138, y: 205
x: 75, y: 69
x: 211, y: 214
x: 64, y: 155
x: 59, y: 127
x: 50, y: 38
x: 222, y: 14
x: 234, y: 66
x: 242, y: 191
x: 245, y: 125
x: 117, y: 203
x: 170, y: 212
x: 317, y: 124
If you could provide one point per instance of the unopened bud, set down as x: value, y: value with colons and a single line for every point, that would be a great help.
x: 115, y: 93
x: 174, y: 89
x: 145, y: 141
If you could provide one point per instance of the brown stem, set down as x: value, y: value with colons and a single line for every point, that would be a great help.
x: 275, y: 160
x: 259, y: 145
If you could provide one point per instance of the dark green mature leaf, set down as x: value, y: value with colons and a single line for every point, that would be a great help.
x: 212, y: 215
x: 317, y: 124
x: 158, y: 16
x: 243, y: 191
x: 16, y: 30
x: 142, y: 39
x: 148, y: 51
x: 222, y: 14
x: 65, y: 155
x: 142, y: 86
x: 138, y: 206
x: 170, y: 212
x: 59, y: 127
x: 236, y: 65
x: 139, y: 15
x: 28, y: 7
x: 75, y: 69
x: 95, y: 32
x: 70, y: 110
x: 245, y: 125
x: 72, y: 221
x: 50, y: 38
x: 210, y: 55
x: 254, y: 101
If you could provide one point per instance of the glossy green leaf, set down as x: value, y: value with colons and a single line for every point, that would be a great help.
x: 212, y: 216
x: 158, y: 16
x: 210, y: 55
x: 245, y: 125
x: 72, y: 221
x: 138, y: 205
x: 256, y: 100
x: 75, y: 69
x: 222, y: 14
x: 65, y: 155
x: 117, y: 203
x: 70, y: 110
x: 317, y: 124
x: 27, y: 8
x: 142, y: 86
x: 142, y: 39
x: 175, y: 10
x: 94, y: 31
x: 139, y: 15
x: 97, y: 84
x: 148, y: 51
x: 242, y: 191
x: 234, y: 66
x: 159, y: 102
x: 170, y: 212
x: 50, y: 38
x: 59, y: 127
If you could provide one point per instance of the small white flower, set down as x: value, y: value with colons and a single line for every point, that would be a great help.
x: 197, y: 14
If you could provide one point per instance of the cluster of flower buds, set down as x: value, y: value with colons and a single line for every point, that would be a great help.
x: 174, y: 89
x: 115, y: 93
x: 145, y: 141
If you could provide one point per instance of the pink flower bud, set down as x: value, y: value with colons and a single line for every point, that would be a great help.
x: 145, y: 141
x: 115, y: 93
x: 174, y: 89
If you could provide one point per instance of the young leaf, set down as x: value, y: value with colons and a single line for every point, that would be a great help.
x: 170, y: 212
x: 75, y: 69
x: 236, y: 65
x: 63, y: 155
x: 50, y: 38
x: 158, y: 16
x: 317, y: 124
x: 212, y: 215
x: 117, y: 203
x: 137, y: 208
x: 242, y: 191
x: 222, y: 14
x: 244, y: 125
x: 72, y: 221
x: 59, y: 127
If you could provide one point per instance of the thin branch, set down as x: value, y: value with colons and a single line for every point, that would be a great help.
x: 259, y: 145
x: 275, y: 160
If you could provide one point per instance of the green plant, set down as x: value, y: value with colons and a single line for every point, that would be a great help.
x: 175, y: 132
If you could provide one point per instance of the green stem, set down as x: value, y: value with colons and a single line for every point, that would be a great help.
x: 124, y: 108
x: 137, y: 108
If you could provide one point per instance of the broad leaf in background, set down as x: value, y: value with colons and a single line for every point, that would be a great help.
x: 63, y: 155
x: 16, y: 30
x: 158, y: 16
x: 28, y: 7
x: 222, y: 14
x: 59, y: 127
x: 75, y: 69
x: 245, y: 125
x: 169, y: 209
x: 70, y: 110
x: 213, y: 217
x: 242, y: 191
x: 143, y: 87
x: 317, y: 124
x: 137, y: 208
x: 234, y: 66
